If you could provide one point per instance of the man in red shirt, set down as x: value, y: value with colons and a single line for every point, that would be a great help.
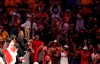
x: 85, y: 55
x: 37, y: 44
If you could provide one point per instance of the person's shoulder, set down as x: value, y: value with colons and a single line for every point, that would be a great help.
x: 18, y: 37
x: 41, y: 41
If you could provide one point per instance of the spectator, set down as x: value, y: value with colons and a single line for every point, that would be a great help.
x: 31, y: 25
x: 85, y: 55
x: 79, y: 22
x: 37, y: 44
x: 55, y: 11
x: 22, y: 44
x: 94, y: 56
x: 28, y: 22
x: 3, y: 33
x: 15, y: 25
x: 64, y: 57
x: 10, y: 54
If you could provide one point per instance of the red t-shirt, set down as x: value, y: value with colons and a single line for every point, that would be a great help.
x: 84, y: 57
x: 36, y: 45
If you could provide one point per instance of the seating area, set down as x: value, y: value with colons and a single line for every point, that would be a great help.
x: 49, y: 31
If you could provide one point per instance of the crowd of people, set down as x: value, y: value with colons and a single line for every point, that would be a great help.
x: 51, y: 31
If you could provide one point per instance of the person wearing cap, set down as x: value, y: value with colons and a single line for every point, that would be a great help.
x: 85, y: 55
x: 64, y: 57
x: 37, y: 44
x: 67, y: 16
x: 55, y: 52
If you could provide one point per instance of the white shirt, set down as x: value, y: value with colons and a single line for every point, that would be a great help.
x: 94, y: 56
x: 13, y: 54
x: 64, y: 58
x: 55, y: 15
x: 79, y: 24
x: 11, y: 43
x: 28, y: 24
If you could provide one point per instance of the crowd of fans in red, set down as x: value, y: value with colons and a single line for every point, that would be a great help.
x: 53, y: 32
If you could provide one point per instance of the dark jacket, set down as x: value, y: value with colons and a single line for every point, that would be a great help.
x: 22, y: 46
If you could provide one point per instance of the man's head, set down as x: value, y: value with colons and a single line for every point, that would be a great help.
x: 8, y: 40
x: 21, y: 33
x: 37, y: 37
x: 13, y: 37
x: 85, y: 49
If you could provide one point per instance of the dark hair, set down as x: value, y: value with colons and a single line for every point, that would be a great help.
x: 16, y: 45
x: 8, y: 40
x: 54, y: 7
x: 12, y: 37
